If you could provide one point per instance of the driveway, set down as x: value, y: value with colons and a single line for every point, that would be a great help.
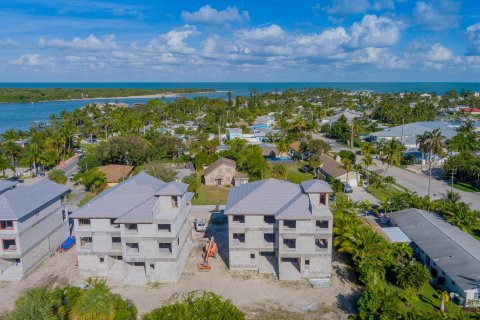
x: 359, y: 194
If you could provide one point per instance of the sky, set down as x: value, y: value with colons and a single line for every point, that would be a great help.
x: 239, y: 41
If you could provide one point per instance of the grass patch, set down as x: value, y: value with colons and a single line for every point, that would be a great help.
x: 381, y: 192
x: 428, y: 301
x: 295, y: 176
x: 466, y: 187
x: 210, y: 195
x: 88, y: 197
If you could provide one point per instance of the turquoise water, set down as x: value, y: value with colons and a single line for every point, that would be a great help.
x: 21, y: 115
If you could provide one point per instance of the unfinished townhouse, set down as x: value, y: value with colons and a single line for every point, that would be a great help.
x: 33, y: 224
x: 138, y: 230
x: 279, y: 227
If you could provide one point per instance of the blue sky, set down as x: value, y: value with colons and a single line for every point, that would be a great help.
x: 279, y: 40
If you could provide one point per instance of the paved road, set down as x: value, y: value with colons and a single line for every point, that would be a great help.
x: 419, y: 183
x: 413, y: 181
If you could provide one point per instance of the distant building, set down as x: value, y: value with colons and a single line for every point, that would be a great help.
x: 281, y: 228
x: 451, y: 255
x: 234, y: 133
x: 116, y: 173
x: 349, y: 114
x: 471, y: 110
x: 269, y: 150
x: 138, y: 230
x: 410, y: 131
x: 33, y: 224
x: 223, y: 172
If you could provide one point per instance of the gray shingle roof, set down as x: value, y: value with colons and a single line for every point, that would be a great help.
x: 283, y: 199
x: 6, y: 184
x: 20, y: 201
x: 331, y: 167
x: 456, y: 252
x: 117, y: 201
x: 316, y: 186
x: 172, y: 189
x: 131, y: 201
x: 219, y: 162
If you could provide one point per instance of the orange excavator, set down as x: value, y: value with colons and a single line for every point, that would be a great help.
x: 210, y: 250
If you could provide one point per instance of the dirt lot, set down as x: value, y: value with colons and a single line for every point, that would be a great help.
x: 261, y: 296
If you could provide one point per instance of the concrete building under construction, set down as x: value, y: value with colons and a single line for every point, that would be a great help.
x: 279, y: 227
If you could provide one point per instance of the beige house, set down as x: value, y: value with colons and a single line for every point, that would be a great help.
x: 115, y: 173
x: 223, y: 172
x: 330, y: 167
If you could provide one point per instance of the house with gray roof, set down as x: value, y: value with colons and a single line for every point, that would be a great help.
x: 138, y: 230
x: 408, y: 132
x: 451, y: 255
x: 33, y: 223
x: 282, y: 228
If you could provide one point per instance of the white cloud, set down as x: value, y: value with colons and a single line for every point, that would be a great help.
x: 272, y: 33
x: 473, y: 38
x: 33, y: 60
x: 174, y: 40
x: 433, y: 55
x: 91, y: 43
x: 9, y: 43
x: 375, y: 31
x: 437, y: 15
x: 212, y: 16
x: 349, y: 7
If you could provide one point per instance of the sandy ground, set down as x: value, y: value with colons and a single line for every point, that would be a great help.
x: 148, y: 96
x: 250, y: 291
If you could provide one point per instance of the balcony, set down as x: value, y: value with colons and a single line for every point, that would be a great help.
x: 86, y: 243
x: 165, y: 248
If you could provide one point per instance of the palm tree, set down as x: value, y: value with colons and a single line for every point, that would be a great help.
x: 452, y: 196
x: 5, y: 164
x: 431, y: 143
x: 347, y: 165
x: 392, y: 154
x: 413, y: 275
x: 283, y: 146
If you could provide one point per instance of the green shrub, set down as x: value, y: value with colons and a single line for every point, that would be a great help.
x: 197, y: 305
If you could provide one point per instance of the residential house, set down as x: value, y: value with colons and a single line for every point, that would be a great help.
x: 451, y: 255
x: 116, y: 173
x: 234, y: 133
x: 138, y: 230
x: 269, y: 150
x: 330, y: 167
x: 408, y: 133
x: 282, y: 228
x: 223, y: 172
x: 349, y: 114
x: 33, y: 224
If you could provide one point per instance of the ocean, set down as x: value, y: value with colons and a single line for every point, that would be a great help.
x: 21, y: 115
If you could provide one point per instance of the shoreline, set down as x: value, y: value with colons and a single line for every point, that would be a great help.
x: 148, y: 96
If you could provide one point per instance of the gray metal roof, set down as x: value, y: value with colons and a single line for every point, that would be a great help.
x: 417, y: 128
x: 283, y: 199
x: 172, y: 189
x: 6, y: 184
x: 395, y: 234
x: 456, y: 252
x: 23, y: 200
x: 131, y: 201
x: 316, y: 186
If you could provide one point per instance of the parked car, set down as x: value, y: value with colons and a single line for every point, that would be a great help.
x: 347, y: 188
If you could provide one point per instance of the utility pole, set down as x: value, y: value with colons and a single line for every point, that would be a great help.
x: 351, y: 138
x: 403, y: 123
